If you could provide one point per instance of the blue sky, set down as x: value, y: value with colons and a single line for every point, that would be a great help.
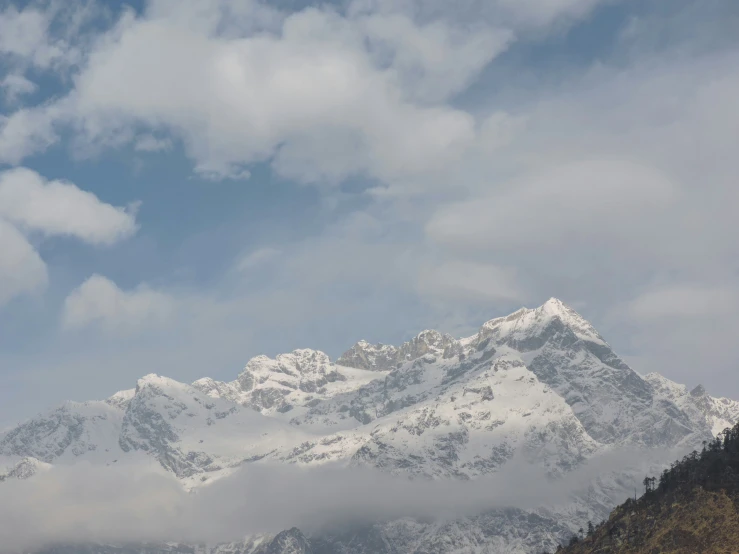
x: 184, y: 185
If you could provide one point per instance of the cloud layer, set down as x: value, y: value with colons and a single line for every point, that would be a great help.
x: 73, y: 504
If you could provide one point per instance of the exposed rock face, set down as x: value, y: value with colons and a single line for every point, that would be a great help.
x: 121, y: 398
x: 289, y: 383
x: 195, y: 436
x: 364, y: 355
x: 716, y: 413
x: 496, y: 531
x: 539, y: 386
x: 25, y: 469
x: 72, y: 431
x: 291, y: 541
x: 379, y: 357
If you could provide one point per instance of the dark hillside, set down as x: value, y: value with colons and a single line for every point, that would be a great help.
x: 690, y: 508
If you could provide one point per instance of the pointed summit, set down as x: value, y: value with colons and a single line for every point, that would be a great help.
x: 554, y: 307
x: 525, y: 325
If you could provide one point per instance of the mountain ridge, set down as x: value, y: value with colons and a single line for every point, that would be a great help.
x: 540, y: 386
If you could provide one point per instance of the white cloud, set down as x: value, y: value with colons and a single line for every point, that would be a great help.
x: 521, y: 15
x: 470, y: 282
x: 30, y: 203
x: 150, y: 143
x: 228, y: 171
x: 133, y: 502
x: 687, y: 331
x: 24, y: 34
x: 61, y: 208
x: 22, y: 271
x: 585, y: 202
x: 99, y: 301
x: 48, y: 36
x: 324, y: 94
x: 257, y: 258
x: 430, y: 62
x: 26, y: 132
x: 688, y: 301
x: 14, y: 86
x: 312, y: 96
x: 539, y: 13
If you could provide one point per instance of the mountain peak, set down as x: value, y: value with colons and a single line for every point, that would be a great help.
x: 25, y: 468
x: 300, y: 362
x: 555, y: 306
x: 554, y: 302
x: 374, y: 357
x: 121, y: 398
x: 157, y: 381
x: 523, y: 325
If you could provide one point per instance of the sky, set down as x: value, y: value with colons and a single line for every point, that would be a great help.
x: 187, y: 184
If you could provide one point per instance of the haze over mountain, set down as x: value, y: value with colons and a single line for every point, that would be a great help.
x: 512, y: 437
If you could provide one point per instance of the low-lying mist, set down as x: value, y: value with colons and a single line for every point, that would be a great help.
x: 135, y: 503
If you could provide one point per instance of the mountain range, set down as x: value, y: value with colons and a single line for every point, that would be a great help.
x: 539, y: 388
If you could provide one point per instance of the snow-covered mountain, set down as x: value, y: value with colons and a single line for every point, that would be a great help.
x: 540, y: 386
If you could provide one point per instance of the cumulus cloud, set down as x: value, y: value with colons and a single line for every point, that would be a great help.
x: 22, y: 271
x: 24, y: 34
x: 236, y: 101
x: 27, y: 131
x: 100, y: 301
x: 150, y: 143
x: 61, y: 208
x: 15, y: 86
x: 29, y: 203
x: 323, y: 93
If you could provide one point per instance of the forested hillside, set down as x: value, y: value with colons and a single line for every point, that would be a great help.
x: 691, y: 507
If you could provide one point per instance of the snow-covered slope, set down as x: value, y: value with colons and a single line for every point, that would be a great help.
x: 196, y: 436
x: 719, y: 413
x: 289, y: 385
x: 539, y: 386
x: 70, y: 432
x: 24, y: 469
